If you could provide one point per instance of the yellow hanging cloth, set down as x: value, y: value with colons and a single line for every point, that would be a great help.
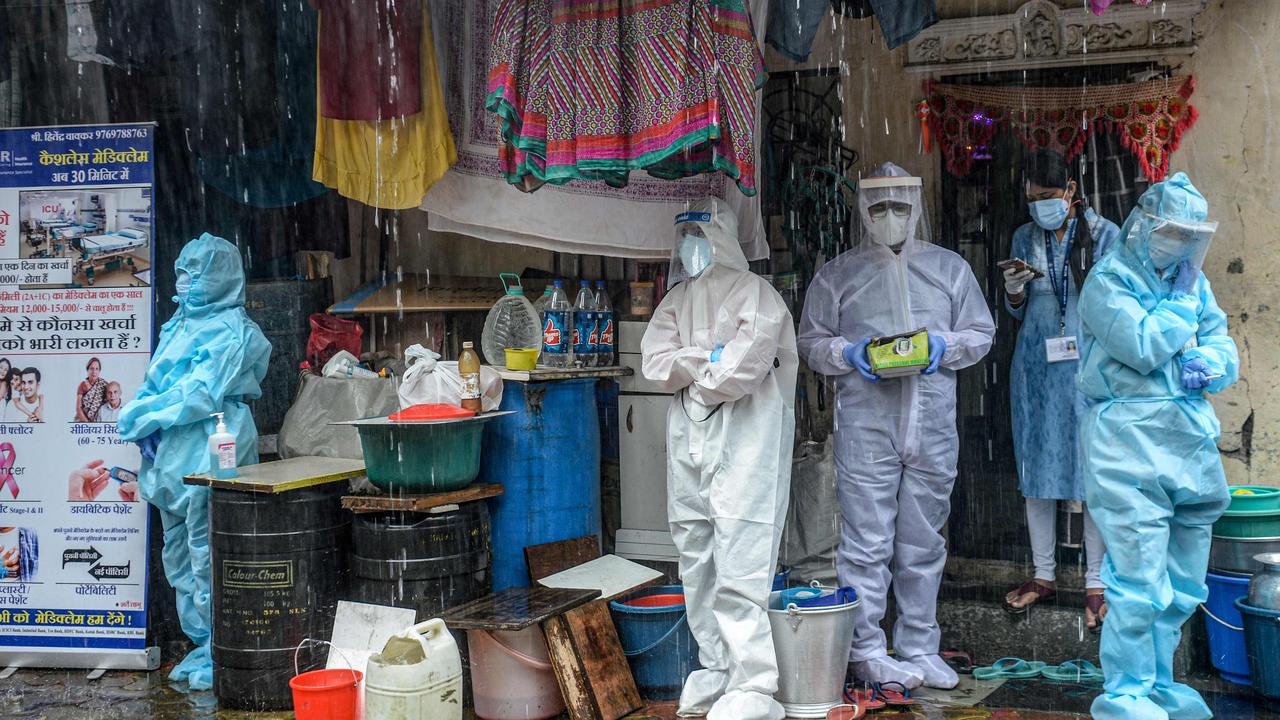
x: 388, y: 163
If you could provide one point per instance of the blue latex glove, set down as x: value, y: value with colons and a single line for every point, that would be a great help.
x: 715, y: 354
x: 1195, y: 374
x: 148, y: 446
x: 1184, y: 283
x: 937, y: 347
x: 856, y: 355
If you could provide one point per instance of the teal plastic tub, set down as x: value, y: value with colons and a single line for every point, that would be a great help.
x: 1254, y: 497
x: 1248, y: 524
x: 406, y: 458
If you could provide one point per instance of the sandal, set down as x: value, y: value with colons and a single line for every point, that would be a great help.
x: 862, y: 697
x: 1073, y: 671
x: 846, y: 712
x: 959, y: 660
x: 1010, y: 668
x: 1094, y: 603
x: 1030, y: 587
x: 898, y: 698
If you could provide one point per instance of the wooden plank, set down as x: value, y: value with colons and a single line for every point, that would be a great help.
x: 549, y: 374
x: 583, y: 643
x: 418, y: 503
x: 551, y: 558
x: 594, y: 676
x: 284, y: 475
x: 516, y: 608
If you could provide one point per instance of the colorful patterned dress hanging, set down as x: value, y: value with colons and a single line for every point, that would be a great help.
x: 1150, y: 118
x: 593, y: 89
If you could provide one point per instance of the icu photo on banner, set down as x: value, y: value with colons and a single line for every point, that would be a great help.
x: 104, y: 233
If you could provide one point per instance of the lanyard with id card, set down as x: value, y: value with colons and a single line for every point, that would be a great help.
x: 1063, y: 348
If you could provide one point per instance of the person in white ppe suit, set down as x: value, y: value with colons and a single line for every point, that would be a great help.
x: 896, y: 442
x: 722, y: 341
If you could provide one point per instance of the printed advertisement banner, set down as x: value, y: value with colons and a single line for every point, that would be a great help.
x: 76, y: 208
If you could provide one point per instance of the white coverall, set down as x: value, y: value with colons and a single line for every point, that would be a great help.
x: 896, y: 442
x: 730, y: 432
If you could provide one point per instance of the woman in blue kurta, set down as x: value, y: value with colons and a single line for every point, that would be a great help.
x: 1044, y: 402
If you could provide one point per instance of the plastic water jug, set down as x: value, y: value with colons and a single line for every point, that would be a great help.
x: 512, y: 323
x: 417, y: 676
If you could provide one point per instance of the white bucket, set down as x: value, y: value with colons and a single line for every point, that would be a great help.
x: 417, y: 675
x: 511, y: 675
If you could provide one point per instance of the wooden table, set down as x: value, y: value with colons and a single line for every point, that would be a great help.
x: 551, y: 374
x: 418, y: 503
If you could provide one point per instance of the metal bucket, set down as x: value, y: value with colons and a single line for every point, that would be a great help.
x: 1236, y: 555
x: 812, y: 646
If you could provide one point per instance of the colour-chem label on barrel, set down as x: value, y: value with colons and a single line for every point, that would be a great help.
x: 257, y: 574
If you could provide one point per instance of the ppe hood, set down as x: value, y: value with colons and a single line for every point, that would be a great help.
x: 217, y: 275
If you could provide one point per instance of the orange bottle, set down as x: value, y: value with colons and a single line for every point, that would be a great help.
x: 469, y: 370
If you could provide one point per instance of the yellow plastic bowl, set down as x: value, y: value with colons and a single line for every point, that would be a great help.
x: 522, y: 358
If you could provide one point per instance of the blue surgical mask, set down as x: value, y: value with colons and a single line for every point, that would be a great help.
x: 183, y: 285
x: 1049, y: 214
x: 695, y: 254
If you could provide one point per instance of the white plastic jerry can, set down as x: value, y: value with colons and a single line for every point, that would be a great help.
x: 417, y: 676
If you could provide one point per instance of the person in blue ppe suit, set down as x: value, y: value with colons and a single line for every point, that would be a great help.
x: 722, y: 341
x: 1064, y: 240
x: 896, y: 444
x: 211, y: 358
x: 1154, y: 341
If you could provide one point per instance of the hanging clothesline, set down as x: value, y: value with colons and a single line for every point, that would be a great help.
x: 1150, y: 118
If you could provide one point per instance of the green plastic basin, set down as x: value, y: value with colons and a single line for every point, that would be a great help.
x: 1254, y: 497
x: 422, y: 457
x: 1248, y: 524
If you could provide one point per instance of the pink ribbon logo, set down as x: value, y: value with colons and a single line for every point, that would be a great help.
x: 8, y: 456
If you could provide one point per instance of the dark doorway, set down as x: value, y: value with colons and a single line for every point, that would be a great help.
x: 979, y: 214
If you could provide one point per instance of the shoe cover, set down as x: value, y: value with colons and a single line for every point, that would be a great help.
x: 885, y: 669
x: 937, y: 673
x: 1181, y: 702
x: 196, y: 668
x: 1125, y: 707
x: 701, y: 690
x: 746, y: 706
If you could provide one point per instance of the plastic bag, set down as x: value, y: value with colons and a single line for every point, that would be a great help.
x: 306, y: 430
x: 329, y: 336
x: 427, y: 380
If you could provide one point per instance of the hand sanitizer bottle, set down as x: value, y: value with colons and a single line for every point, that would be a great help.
x: 222, y: 451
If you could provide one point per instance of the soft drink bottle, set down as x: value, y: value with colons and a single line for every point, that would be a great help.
x: 557, y: 329
x: 604, y: 321
x: 585, y: 334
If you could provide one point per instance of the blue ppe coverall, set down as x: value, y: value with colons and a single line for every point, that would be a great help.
x: 1153, y: 477
x: 211, y: 358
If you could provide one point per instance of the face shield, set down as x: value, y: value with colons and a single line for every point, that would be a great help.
x: 1169, y: 242
x: 693, y: 248
x: 890, y: 205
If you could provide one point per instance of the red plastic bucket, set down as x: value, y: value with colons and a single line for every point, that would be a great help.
x: 328, y: 695
x: 656, y: 601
